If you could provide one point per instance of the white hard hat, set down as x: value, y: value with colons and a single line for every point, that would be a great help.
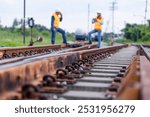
x: 57, y: 10
x: 99, y: 13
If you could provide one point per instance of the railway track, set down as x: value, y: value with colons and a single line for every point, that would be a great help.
x: 27, y: 51
x: 95, y: 84
x: 9, y: 52
x: 116, y: 72
x: 145, y: 50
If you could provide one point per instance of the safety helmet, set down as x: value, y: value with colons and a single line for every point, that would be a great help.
x: 98, y: 13
x: 57, y: 10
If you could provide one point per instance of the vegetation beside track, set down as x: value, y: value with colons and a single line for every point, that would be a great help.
x: 132, y: 33
x: 125, y: 41
x: 13, y: 37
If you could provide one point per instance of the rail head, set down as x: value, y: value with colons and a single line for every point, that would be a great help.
x: 86, y: 53
x: 34, y: 68
x: 30, y: 47
x: 145, y: 51
x: 11, y: 52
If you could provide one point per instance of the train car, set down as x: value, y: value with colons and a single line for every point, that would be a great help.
x: 80, y: 35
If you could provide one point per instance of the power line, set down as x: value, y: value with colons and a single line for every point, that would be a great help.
x: 113, y: 8
x: 24, y: 21
x: 88, y: 16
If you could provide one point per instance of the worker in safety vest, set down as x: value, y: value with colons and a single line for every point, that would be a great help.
x: 97, y: 28
x: 55, y: 21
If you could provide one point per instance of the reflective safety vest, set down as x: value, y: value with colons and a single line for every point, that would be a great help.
x: 56, y: 20
x: 98, y: 24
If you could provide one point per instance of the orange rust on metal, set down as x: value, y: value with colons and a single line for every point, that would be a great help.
x: 27, y: 51
x: 24, y: 51
x: 16, y: 76
x: 145, y: 78
x: 13, y: 77
x: 1, y: 54
x: 129, y: 87
x: 130, y: 93
x: 53, y: 90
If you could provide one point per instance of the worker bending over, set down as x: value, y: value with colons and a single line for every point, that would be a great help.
x: 55, y: 21
x: 97, y: 28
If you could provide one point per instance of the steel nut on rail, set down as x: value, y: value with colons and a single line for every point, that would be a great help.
x: 62, y: 75
x: 71, y: 72
x: 78, y: 67
x: 30, y: 91
x: 51, y: 85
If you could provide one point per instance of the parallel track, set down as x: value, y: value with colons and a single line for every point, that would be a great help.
x: 9, y: 52
x: 107, y: 73
x: 145, y: 50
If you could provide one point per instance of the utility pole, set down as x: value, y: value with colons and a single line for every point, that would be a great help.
x: 24, y: 21
x: 145, y: 18
x: 113, y: 8
x: 88, y: 17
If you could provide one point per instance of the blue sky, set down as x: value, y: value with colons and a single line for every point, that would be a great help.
x: 75, y: 12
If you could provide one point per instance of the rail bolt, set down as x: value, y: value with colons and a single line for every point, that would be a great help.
x: 28, y: 91
x: 48, y: 80
x: 61, y: 73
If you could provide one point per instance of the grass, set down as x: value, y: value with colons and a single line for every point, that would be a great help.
x: 13, y: 38
x: 129, y: 41
x: 123, y: 41
x: 144, y: 42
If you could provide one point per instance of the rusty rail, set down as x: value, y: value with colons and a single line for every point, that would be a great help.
x: 54, y: 73
x: 18, y: 59
x: 34, y: 50
x: 15, y: 52
x: 35, y: 68
x: 129, y: 88
x: 145, y: 50
x: 29, y: 71
x: 27, y: 51
x: 135, y: 83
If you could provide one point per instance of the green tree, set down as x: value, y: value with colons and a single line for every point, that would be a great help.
x: 136, y: 32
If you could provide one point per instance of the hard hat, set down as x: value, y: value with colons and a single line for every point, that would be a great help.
x: 98, y: 13
x: 57, y: 10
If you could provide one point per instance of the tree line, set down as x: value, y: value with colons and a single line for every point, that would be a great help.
x: 132, y: 32
x: 136, y: 32
x: 17, y: 27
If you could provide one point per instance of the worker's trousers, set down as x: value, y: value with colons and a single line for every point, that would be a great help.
x: 99, y: 36
x: 53, y: 35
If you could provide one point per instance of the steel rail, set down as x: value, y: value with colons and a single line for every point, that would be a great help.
x: 11, y: 52
x: 145, y: 50
x: 16, y: 74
